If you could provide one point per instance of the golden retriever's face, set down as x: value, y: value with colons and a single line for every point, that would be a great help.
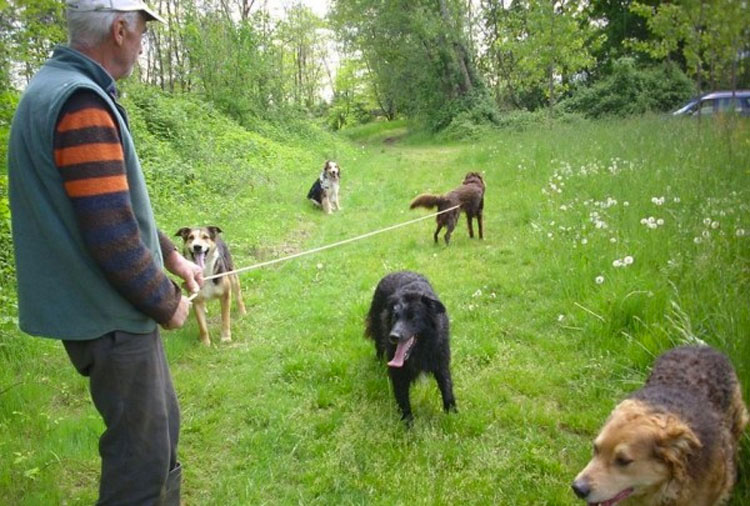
x: 635, y: 454
x: 332, y: 170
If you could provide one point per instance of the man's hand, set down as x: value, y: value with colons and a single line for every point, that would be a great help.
x: 191, y: 273
x: 180, y: 315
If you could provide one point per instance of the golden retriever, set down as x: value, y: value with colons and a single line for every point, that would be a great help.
x: 673, y: 442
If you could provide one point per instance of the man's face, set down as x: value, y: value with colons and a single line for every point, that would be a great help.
x: 131, y: 46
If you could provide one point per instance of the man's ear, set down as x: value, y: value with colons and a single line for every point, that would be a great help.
x: 119, y: 30
x: 675, y: 443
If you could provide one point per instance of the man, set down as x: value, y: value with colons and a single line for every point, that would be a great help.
x: 89, y: 258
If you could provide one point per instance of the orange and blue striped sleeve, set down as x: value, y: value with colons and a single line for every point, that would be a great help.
x: 89, y: 155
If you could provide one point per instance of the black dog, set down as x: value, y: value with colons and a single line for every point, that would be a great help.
x: 409, y: 325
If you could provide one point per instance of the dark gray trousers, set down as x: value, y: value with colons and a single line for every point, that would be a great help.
x: 132, y: 389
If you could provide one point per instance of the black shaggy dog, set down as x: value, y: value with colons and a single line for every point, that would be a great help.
x: 409, y: 325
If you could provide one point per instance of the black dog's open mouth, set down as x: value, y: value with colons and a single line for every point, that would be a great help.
x: 403, y: 349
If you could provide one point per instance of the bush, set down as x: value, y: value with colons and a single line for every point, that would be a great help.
x: 630, y: 90
x: 476, y: 107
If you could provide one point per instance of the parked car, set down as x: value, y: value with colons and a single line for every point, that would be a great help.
x: 717, y: 102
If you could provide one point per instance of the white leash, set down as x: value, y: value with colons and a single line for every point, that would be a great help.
x: 321, y: 248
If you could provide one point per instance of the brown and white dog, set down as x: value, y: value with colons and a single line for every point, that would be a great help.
x: 324, y: 192
x: 470, y: 196
x: 203, y: 246
x: 673, y: 442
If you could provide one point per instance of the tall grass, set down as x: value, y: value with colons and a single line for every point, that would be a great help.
x: 297, y: 411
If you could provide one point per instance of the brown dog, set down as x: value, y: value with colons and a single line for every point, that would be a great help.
x: 673, y: 442
x: 204, y: 247
x: 470, y: 196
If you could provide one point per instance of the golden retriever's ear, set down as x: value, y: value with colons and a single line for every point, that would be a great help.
x: 183, y: 232
x: 675, y: 442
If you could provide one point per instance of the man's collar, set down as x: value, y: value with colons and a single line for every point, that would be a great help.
x: 86, y: 65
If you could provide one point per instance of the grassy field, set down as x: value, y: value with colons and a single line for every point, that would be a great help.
x: 605, y: 244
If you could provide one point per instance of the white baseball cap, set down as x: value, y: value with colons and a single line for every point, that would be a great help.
x: 113, y: 5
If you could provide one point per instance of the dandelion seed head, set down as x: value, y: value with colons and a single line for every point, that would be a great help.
x: 599, y: 280
x: 617, y: 263
x: 714, y: 225
x: 628, y: 260
x: 707, y: 221
x: 613, y: 240
x: 660, y: 222
x: 740, y: 232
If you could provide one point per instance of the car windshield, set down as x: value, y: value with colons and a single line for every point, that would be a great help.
x: 686, y: 108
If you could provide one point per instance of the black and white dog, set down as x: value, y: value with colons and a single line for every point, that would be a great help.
x: 203, y: 246
x: 410, y: 328
x: 325, y: 190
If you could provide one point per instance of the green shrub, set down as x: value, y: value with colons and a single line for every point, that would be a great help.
x: 630, y: 90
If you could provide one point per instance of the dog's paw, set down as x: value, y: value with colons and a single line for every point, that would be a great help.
x: 226, y: 339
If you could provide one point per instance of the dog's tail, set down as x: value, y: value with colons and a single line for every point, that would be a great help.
x: 428, y: 201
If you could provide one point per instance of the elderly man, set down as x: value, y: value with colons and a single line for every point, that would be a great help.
x: 89, y: 257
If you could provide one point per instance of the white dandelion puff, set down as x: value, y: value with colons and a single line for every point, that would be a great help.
x: 660, y: 222
x: 618, y: 263
x: 628, y: 260
x: 697, y: 240
x: 707, y: 221
x: 599, y: 280
x: 714, y: 225
x: 740, y: 232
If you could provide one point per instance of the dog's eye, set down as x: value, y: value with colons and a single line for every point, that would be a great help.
x: 623, y: 461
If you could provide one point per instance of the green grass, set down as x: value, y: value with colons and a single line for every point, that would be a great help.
x: 297, y: 411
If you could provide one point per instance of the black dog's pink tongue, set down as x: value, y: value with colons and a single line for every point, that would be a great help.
x: 401, y: 348
x: 200, y: 259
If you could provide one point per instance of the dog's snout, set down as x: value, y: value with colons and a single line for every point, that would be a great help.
x: 394, y: 336
x: 197, y: 248
x: 581, y: 488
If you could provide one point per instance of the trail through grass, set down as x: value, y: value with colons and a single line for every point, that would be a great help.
x: 297, y: 410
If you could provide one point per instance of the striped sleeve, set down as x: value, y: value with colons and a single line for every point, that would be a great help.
x: 88, y: 153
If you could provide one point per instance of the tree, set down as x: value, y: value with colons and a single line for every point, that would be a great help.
x: 417, y: 53
x: 710, y: 35
x: 540, y: 44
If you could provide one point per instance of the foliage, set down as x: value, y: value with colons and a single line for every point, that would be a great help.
x: 630, y: 89
x: 617, y: 23
x: 537, y: 45
x: 416, y: 53
x: 33, y: 28
x: 710, y: 35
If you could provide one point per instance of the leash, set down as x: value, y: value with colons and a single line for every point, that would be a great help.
x: 321, y: 248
